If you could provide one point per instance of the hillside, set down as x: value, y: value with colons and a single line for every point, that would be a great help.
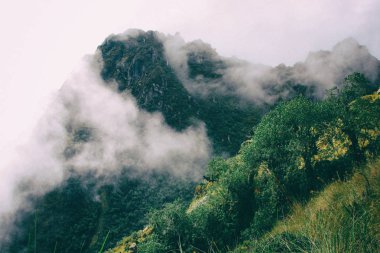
x: 268, y: 194
x: 344, y: 217
x: 135, y: 145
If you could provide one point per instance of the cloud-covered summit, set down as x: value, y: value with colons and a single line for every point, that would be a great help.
x: 321, y: 70
x: 147, y: 101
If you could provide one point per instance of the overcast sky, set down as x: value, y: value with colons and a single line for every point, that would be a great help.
x: 42, y: 40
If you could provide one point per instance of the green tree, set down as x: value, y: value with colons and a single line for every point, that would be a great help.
x: 284, y: 142
x: 171, y: 226
x: 355, y: 86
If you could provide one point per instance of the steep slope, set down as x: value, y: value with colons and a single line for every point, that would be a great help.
x: 344, y: 217
x: 139, y: 65
x: 188, y: 91
x: 299, y: 148
x: 190, y: 82
x: 116, y: 204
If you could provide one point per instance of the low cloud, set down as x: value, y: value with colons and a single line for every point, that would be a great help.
x: 122, y: 135
x: 90, y: 128
x: 320, y: 71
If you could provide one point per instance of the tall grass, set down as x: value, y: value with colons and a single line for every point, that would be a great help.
x: 104, y: 242
x: 344, y: 217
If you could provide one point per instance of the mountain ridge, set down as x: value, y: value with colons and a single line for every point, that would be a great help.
x: 198, y: 87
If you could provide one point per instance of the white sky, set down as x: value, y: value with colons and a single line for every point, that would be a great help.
x: 42, y: 40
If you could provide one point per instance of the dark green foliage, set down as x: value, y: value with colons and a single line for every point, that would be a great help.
x: 228, y: 207
x: 202, y: 64
x: 76, y: 221
x: 285, y: 243
x: 355, y: 86
x: 358, y: 107
x: 216, y: 168
x: 365, y: 122
x: 283, y: 138
x: 228, y: 122
x: 104, y: 243
x: 171, y: 226
x: 112, y: 52
x: 305, y: 144
x: 64, y: 219
x: 139, y: 65
x: 297, y: 148
x: 239, y: 182
x: 214, y: 219
x: 130, y: 199
x: 211, y: 225
x: 215, y: 223
x: 242, y: 197
x: 153, y: 245
x: 268, y: 206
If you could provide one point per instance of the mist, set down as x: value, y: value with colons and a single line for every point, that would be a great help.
x: 43, y: 40
x: 320, y: 71
x: 91, y: 128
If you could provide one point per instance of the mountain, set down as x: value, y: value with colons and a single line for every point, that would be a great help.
x: 139, y: 65
x: 138, y: 124
x: 306, y: 181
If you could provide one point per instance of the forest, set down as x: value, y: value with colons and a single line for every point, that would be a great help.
x: 306, y: 181
x: 293, y: 167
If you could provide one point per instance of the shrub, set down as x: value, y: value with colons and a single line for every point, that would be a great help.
x: 284, y: 242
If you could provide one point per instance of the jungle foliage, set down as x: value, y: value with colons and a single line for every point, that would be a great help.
x: 268, y: 160
x: 297, y: 149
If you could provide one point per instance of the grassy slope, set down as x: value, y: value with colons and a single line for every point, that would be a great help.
x: 344, y: 217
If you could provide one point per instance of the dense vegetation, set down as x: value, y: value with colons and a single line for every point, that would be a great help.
x: 139, y: 66
x: 71, y: 219
x: 272, y: 166
x: 344, y: 217
x: 118, y: 208
x: 296, y: 150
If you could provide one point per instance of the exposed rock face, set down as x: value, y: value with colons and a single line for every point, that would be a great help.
x: 190, y: 82
x: 139, y: 65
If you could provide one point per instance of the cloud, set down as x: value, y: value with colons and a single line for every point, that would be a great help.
x: 41, y: 44
x: 320, y: 71
x: 122, y: 135
x: 90, y: 128
x: 270, y: 32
